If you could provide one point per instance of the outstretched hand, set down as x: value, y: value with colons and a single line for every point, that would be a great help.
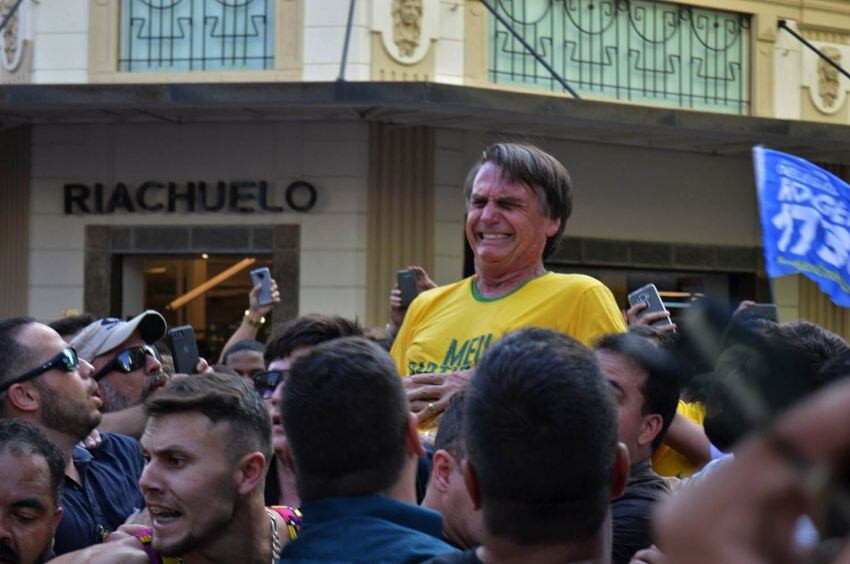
x: 254, y: 308
x: 423, y: 283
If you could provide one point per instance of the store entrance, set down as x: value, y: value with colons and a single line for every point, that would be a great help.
x: 160, y: 281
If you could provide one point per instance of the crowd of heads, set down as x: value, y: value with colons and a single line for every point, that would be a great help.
x: 529, y: 459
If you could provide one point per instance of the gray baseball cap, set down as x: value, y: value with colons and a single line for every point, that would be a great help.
x: 105, y: 334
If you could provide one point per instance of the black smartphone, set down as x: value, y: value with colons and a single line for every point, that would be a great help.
x: 407, y: 285
x: 184, y: 349
x: 263, y: 277
x: 649, y: 295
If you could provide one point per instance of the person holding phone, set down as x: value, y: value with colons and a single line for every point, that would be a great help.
x: 255, y: 315
x: 518, y: 200
x: 398, y: 307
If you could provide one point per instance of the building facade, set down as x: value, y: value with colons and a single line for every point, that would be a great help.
x: 148, y: 145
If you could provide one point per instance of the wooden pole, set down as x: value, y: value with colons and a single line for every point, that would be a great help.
x: 211, y: 283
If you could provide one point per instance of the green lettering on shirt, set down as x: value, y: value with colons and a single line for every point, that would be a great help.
x: 453, y: 356
x: 467, y: 355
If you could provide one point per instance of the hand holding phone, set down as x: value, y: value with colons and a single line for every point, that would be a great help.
x: 184, y: 349
x: 263, y: 278
x: 407, y: 285
x: 649, y: 296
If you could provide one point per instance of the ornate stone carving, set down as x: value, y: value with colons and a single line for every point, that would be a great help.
x: 828, y: 77
x: 407, y: 29
x: 12, y: 46
x: 826, y: 85
x: 407, y: 25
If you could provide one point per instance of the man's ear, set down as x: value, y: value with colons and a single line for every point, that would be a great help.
x: 650, y: 428
x: 57, y: 516
x: 251, y: 473
x: 620, y: 475
x: 414, y: 443
x: 553, y: 227
x: 470, y: 480
x: 24, y: 397
x: 443, y: 466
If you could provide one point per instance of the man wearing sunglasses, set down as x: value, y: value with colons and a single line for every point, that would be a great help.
x: 288, y: 341
x: 44, y: 382
x: 127, y: 367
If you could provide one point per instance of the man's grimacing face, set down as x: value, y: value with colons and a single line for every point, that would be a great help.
x: 504, y: 225
x: 188, y: 480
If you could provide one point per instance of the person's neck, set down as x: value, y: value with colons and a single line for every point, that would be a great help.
x: 247, y: 538
x: 286, y: 484
x: 434, y: 500
x: 640, y: 458
x: 66, y: 445
x: 501, y: 551
x: 495, y: 283
x: 404, y: 488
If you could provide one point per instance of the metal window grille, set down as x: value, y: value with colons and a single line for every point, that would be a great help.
x: 645, y: 51
x: 196, y: 35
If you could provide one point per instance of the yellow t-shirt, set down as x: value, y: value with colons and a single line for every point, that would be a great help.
x: 449, y: 328
x: 669, y: 462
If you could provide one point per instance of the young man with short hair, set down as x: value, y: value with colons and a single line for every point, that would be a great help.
x: 446, y: 493
x: 206, y: 445
x: 543, y: 461
x: 354, y: 447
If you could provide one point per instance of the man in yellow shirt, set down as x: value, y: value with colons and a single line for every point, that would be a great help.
x: 518, y: 200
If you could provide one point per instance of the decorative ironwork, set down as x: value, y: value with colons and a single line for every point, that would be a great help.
x: 638, y: 50
x: 190, y: 35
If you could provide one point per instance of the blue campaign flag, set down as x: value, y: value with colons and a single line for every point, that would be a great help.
x: 805, y: 221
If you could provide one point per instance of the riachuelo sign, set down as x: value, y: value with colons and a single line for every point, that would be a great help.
x: 244, y: 196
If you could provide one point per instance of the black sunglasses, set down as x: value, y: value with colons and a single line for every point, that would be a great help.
x: 128, y: 360
x: 67, y: 360
x: 266, y: 382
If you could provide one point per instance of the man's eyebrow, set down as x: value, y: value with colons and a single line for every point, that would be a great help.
x: 617, y: 385
x: 509, y: 200
x: 29, y: 503
x: 170, y: 449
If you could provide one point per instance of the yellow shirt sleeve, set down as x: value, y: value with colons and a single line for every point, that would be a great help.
x: 669, y: 462
x: 597, y: 315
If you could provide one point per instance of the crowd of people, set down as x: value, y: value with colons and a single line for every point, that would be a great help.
x: 514, y: 416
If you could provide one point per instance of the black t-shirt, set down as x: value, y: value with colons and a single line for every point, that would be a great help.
x: 465, y: 557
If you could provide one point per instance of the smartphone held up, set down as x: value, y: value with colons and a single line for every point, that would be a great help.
x: 649, y: 296
x: 407, y: 286
x: 263, y: 278
x: 184, y: 349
